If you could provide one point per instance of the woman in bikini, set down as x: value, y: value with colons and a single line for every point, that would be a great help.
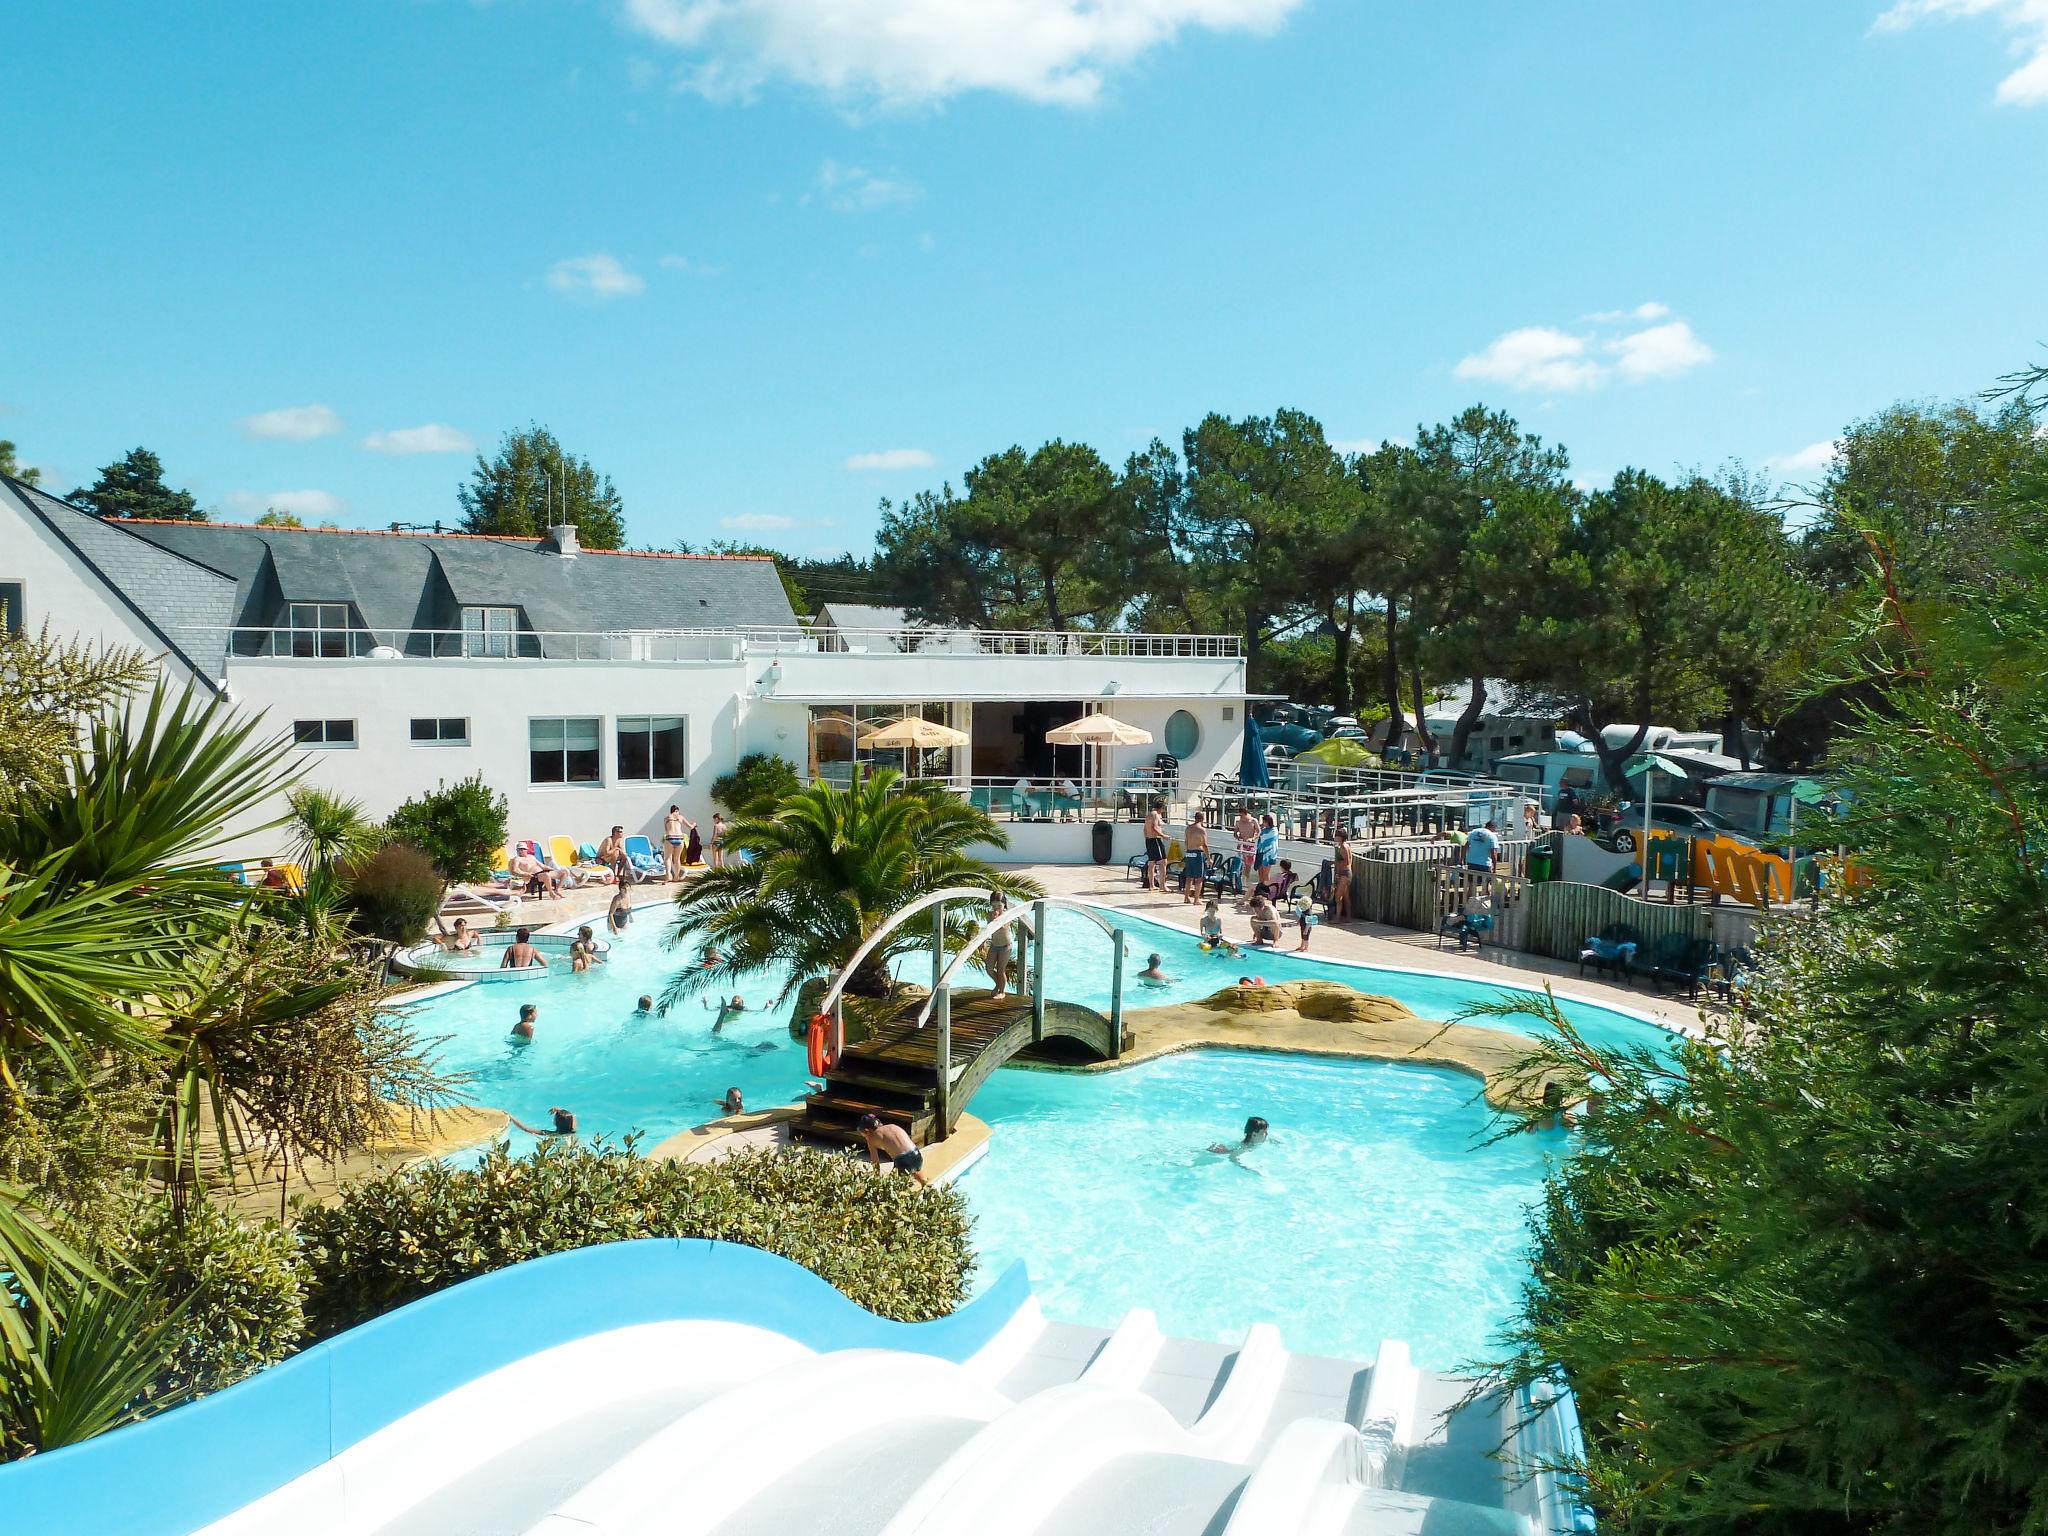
x: 672, y: 840
x: 1340, y: 878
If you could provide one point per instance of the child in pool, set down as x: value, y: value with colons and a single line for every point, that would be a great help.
x: 1255, y: 1130
x: 727, y: 1012
x: 1212, y: 930
x: 583, y: 953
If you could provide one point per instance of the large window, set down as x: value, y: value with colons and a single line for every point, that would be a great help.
x: 653, y: 747
x: 564, y: 750
x: 441, y: 730
x: 324, y: 733
x: 489, y: 631
x: 318, y: 629
x: 13, y: 607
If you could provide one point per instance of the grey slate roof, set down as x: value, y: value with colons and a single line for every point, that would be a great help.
x: 864, y: 616
x: 162, y: 588
x: 422, y: 581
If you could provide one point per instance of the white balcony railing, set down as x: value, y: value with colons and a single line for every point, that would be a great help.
x: 700, y: 645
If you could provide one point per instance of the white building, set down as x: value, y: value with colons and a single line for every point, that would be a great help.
x: 591, y: 688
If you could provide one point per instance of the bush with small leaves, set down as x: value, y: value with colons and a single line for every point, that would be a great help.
x: 459, y: 826
x: 756, y: 782
x: 893, y: 1247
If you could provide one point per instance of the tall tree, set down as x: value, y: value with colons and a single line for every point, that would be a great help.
x: 532, y: 483
x: 1926, y: 481
x: 1265, y: 499
x: 1030, y: 545
x: 133, y: 486
x: 1481, y: 508
x: 13, y: 468
x: 1654, y: 585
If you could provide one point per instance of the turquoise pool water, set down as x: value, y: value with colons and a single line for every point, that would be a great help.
x: 1372, y: 1212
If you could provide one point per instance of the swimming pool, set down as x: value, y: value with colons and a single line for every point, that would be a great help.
x: 1372, y: 1212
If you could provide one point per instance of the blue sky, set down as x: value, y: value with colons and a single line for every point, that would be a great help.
x: 765, y: 269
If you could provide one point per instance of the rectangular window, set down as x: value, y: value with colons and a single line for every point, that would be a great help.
x: 564, y: 750
x: 318, y: 629
x: 653, y: 747
x: 442, y: 731
x: 13, y: 606
x: 489, y: 631
x: 324, y: 733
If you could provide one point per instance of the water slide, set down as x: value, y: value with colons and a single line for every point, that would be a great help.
x: 672, y: 1386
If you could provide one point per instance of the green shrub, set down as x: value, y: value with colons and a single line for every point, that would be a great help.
x: 393, y: 894
x: 246, y: 1282
x: 896, y: 1249
x: 458, y: 826
x: 756, y: 782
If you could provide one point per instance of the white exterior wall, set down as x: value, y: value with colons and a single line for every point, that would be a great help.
x: 386, y: 767
x: 64, y: 591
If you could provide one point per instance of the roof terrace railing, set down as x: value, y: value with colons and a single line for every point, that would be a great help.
x: 318, y: 643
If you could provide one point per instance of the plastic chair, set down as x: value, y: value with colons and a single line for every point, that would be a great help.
x: 640, y: 851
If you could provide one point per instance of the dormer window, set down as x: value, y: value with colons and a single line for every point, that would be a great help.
x: 489, y: 631
x: 318, y: 629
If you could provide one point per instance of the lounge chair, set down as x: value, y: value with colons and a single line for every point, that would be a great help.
x: 1679, y: 957
x: 564, y: 855
x: 1612, y: 951
x: 641, y: 852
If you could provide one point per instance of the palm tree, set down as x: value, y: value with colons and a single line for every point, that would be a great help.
x: 821, y: 871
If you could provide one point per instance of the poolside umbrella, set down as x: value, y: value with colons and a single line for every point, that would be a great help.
x: 1337, y: 752
x: 1647, y: 763
x: 912, y: 733
x: 1251, y: 768
x: 1097, y: 731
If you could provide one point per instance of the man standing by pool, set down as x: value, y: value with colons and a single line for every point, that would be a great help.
x: 1194, y: 860
x: 1155, y: 846
x: 1482, y: 853
x: 887, y: 1137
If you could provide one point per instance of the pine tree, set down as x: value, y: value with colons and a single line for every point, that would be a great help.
x: 533, y: 483
x: 133, y: 486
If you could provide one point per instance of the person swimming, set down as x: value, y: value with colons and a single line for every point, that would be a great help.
x: 522, y: 1032
x: 583, y: 953
x: 644, y: 1008
x: 727, y: 1012
x: 1255, y: 1131
x: 565, y: 1122
x: 1152, y: 975
x: 733, y: 1103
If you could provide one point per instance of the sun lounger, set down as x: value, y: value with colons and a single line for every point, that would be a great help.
x: 645, y: 859
x: 564, y: 854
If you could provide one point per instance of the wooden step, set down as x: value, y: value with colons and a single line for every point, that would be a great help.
x: 907, y: 1096
x: 853, y: 1106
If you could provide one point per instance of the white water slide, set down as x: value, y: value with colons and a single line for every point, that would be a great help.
x: 780, y: 1408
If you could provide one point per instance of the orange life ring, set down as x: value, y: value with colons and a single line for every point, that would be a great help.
x: 824, y: 1043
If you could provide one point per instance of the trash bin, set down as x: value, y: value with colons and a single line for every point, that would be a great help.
x: 1102, y: 834
x: 1540, y: 864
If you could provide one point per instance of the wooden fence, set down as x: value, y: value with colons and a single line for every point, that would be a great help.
x: 1546, y: 917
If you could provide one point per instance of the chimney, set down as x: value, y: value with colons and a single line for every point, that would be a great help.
x: 563, y: 537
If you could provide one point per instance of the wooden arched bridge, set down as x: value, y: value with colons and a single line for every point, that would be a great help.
x: 895, y: 1073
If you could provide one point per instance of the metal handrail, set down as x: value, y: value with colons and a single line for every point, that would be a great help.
x: 716, y: 643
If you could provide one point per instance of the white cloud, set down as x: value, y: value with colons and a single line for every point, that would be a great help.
x: 1542, y: 357
x: 1351, y: 445
x: 1806, y: 460
x: 850, y: 189
x: 1659, y: 352
x: 915, y: 52
x: 1650, y: 311
x: 756, y: 522
x: 2025, y: 20
x: 306, y: 504
x: 292, y: 424
x: 597, y: 276
x: 891, y: 459
x: 1534, y: 357
x: 432, y: 438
